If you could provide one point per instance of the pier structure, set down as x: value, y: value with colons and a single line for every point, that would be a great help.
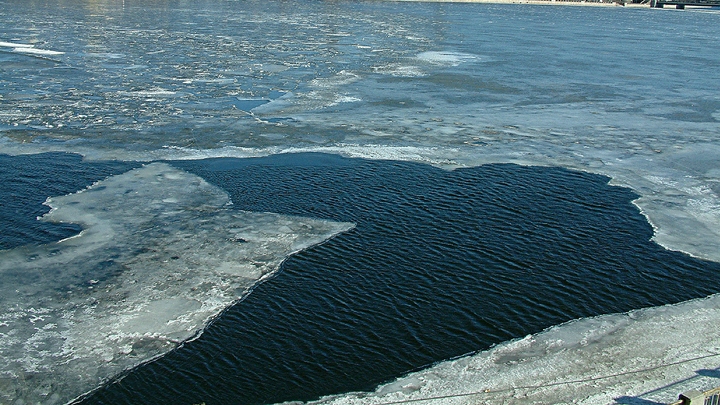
x: 680, y: 4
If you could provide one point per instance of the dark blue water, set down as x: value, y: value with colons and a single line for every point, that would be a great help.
x: 27, y: 181
x: 440, y: 264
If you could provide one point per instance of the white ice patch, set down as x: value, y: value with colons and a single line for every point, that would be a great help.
x: 610, y: 359
x: 154, y: 92
x: 445, y: 58
x: 14, y: 45
x: 36, y: 51
x: 323, y: 92
x: 400, y: 70
x: 346, y: 99
x: 432, y: 156
x: 28, y: 48
x: 341, y: 78
x: 159, y: 256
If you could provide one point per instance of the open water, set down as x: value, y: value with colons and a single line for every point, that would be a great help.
x: 345, y: 192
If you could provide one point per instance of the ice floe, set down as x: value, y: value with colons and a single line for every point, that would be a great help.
x: 641, y: 357
x: 161, y: 253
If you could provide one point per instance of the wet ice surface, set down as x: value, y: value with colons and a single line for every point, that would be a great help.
x: 159, y: 256
x: 647, y: 356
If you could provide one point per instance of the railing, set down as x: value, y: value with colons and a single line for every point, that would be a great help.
x: 709, y: 397
x: 682, y: 3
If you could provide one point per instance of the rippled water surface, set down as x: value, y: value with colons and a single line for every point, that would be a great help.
x: 440, y: 264
x: 28, y: 181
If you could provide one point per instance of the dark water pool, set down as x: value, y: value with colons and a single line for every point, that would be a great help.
x: 441, y: 263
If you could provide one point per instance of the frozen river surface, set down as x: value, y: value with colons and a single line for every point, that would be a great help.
x: 631, y: 94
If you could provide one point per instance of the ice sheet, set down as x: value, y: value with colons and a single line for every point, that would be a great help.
x: 646, y: 356
x: 160, y: 255
x: 323, y: 93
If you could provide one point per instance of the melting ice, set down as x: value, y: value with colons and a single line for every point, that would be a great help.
x: 647, y: 356
x: 160, y: 254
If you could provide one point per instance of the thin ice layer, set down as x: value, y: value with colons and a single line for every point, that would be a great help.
x: 159, y: 256
x: 647, y: 356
